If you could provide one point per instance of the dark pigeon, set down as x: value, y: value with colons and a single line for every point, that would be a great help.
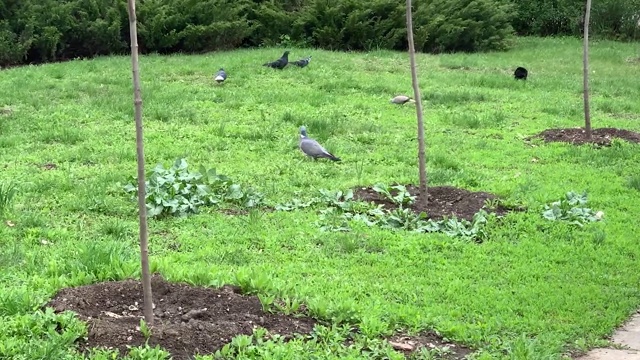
x: 311, y: 147
x: 302, y: 62
x: 280, y: 63
x: 520, y: 73
x: 220, y: 76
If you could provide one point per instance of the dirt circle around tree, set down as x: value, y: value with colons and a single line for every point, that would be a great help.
x: 188, y: 320
x: 578, y: 136
x: 442, y: 201
x: 192, y: 320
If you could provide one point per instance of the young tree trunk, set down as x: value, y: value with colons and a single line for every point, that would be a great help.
x: 585, y: 71
x: 142, y: 207
x: 422, y: 161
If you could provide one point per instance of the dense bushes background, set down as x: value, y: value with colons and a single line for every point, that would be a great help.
x: 617, y: 19
x: 46, y: 30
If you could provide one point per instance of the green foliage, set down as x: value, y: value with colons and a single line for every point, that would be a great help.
x: 463, y: 25
x: 338, y: 209
x: 325, y: 342
x: 270, y: 24
x: 352, y: 24
x: 633, y: 182
x: 50, y: 30
x: 180, y: 192
x: 443, y: 25
x: 379, y: 279
x: 402, y: 196
x: 572, y: 209
x: 191, y: 25
x: 616, y: 19
x: 147, y: 352
x: 8, y: 191
x: 48, y: 335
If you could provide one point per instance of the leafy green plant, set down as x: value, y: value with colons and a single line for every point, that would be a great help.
x: 398, y: 194
x: 572, y: 209
x: 295, y: 204
x: 633, y: 182
x: 331, y: 219
x: 435, y: 353
x: 180, y: 192
x: 340, y: 208
x: 406, y: 219
x: 8, y: 191
x: 145, y: 330
x: 147, y: 352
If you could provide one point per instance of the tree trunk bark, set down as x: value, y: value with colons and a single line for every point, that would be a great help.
x: 142, y: 207
x: 585, y: 71
x: 422, y: 161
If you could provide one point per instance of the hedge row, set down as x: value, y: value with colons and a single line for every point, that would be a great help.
x: 47, y: 30
x: 615, y: 19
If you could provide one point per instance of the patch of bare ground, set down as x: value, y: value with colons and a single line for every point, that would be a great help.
x: 193, y: 320
x: 443, y: 201
x: 188, y: 320
x: 578, y: 136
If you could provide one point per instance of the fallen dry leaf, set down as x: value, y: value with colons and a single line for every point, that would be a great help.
x: 10, y: 223
x: 401, y: 346
x: 113, y: 315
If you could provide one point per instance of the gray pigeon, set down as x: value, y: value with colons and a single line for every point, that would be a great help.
x: 402, y: 99
x: 302, y: 62
x: 311, y: 147
x: 220, y: 76
x: 280, y: 63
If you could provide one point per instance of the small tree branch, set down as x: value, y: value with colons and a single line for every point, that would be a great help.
x: 422, y: 161
x: 142, y: 207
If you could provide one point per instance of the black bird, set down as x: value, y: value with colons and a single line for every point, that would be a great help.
x: 520, y: 73
x: 280, y: 63
x: 302, y: 62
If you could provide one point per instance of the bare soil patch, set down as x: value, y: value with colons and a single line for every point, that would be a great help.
x: 443, y: 201
x: 189, y: 320
x: 196, y: 320
x: 577, y: 136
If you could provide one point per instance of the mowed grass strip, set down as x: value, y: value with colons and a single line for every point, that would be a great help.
x: 535, y: 290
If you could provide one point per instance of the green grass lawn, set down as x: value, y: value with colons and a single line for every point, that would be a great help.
x: 534, y: 289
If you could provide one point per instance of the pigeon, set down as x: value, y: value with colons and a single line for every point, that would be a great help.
x: 520, y: 73
x: 402, y: 99
x: 311, y: 147
x: 302, y: 62
x: 220, y: 76
x: 280, y: 63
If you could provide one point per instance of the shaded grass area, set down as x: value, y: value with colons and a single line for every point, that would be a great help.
x: 534, y: 290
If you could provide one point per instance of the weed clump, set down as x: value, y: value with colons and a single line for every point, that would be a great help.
x: 179, y: 191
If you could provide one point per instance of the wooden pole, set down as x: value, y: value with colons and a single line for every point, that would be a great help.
x: 142, y: 207
x: 422, y: 161
x: 585, y: 71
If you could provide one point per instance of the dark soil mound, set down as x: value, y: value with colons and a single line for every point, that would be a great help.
x: 188, y: 320
x: 442, y: 201
x: 577, y: 136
